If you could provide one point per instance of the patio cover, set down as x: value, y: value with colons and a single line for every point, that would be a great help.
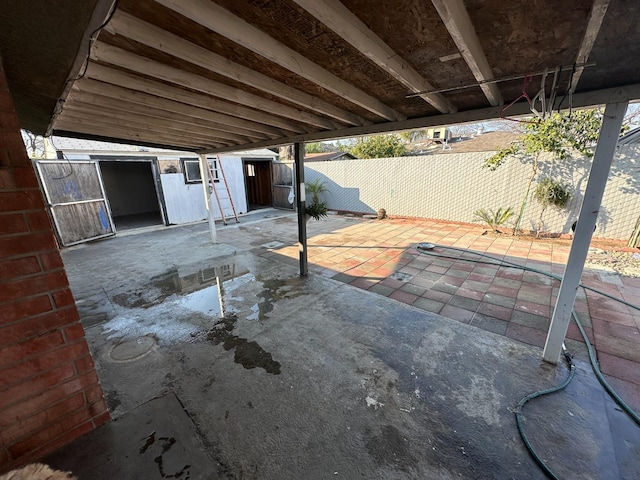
x: 213, y: 76
x: 225, y: 75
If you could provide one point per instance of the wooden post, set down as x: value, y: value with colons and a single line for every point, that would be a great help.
x: 204, y: 175
x: 607, y: 141
x: 301, y: 207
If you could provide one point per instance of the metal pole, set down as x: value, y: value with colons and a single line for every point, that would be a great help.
x: 607, y: 141
x: 298, y: 154
x: 204, y: 175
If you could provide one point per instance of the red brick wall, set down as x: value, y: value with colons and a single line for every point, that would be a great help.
x: 49, y: 390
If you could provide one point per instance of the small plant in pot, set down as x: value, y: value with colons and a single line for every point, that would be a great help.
x: 316, y: 209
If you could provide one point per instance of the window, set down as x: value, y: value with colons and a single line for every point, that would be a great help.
x: 191, y: 170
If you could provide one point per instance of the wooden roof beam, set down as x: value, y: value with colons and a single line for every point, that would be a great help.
x: 136, y: 63
x: 149, y: 92
x: 93, y: 100
x: 456, y: 18
x: 130, y: 136
x: 95, y: 119
x: 155, y: 122
x: 135, y: 29
x: 596, y: 16
x: 580, y: 100
x: 339, y: 18
x: 223, y: 22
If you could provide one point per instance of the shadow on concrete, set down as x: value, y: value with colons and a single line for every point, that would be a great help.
x: 366, y: 387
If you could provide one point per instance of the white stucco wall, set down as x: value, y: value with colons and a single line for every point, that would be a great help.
x: 453, y: 186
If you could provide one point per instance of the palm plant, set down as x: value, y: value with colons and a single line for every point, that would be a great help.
x: 316, y: 209
x: 496, y: 218
x: 315, y: 188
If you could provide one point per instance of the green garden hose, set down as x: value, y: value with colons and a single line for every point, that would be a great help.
x: 428, y: 250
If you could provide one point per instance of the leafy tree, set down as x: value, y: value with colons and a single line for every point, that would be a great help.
x: 378, y: 146
x: 315, y: 147
x: 559, y: 134
x: 412, y: 135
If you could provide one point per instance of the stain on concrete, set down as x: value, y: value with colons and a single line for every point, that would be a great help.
x: 165, y: 444
x: 248, y: 354
x: 148, y: 441
x: 113, y: 399
x: 390, y: 447
x: 275, y: 289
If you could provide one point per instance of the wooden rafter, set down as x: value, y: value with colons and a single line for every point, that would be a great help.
x: 598, y: 11
x: 581, y: 99
x: 141, y: 126
x: 103, y: 102
x: 339, y: 18
x: 130, y: 135
x: 125, y: 59
x: 456, y: 18
x: 133, y: 28
x: 159, y: 95
x: 155, y: 122
x: 220, y: 20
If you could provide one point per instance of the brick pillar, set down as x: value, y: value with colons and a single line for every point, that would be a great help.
x: 49, y: 390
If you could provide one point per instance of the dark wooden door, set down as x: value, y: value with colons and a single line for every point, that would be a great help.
x: 258, y: 181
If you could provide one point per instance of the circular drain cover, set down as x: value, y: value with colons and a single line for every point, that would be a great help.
x: 132, y: 349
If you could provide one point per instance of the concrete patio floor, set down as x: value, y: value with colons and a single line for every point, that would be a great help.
x: 289, y: 377
x: 382, y: 257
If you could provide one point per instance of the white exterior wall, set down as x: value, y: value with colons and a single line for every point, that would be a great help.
x: 235, y: 178
x: 453, y: 186
x: 185, y: 201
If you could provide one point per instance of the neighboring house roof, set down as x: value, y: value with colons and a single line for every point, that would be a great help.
x: 631, y: 137
x: 327, y: 156
x: 485, y: 142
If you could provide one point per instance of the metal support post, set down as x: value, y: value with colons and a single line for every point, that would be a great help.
x: 204, y: 175
x: 298, y: 150
x: 607, y: 141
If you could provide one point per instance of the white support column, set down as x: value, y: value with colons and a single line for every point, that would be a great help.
x: 607, y: 141
x: 204, y: 175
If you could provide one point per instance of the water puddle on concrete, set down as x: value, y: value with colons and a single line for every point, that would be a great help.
x: 178, y: 305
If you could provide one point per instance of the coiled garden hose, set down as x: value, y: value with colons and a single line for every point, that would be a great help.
x: 428, y: 249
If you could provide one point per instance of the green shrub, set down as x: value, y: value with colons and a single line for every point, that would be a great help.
x: 317, y: 210
x: 550, y: 193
